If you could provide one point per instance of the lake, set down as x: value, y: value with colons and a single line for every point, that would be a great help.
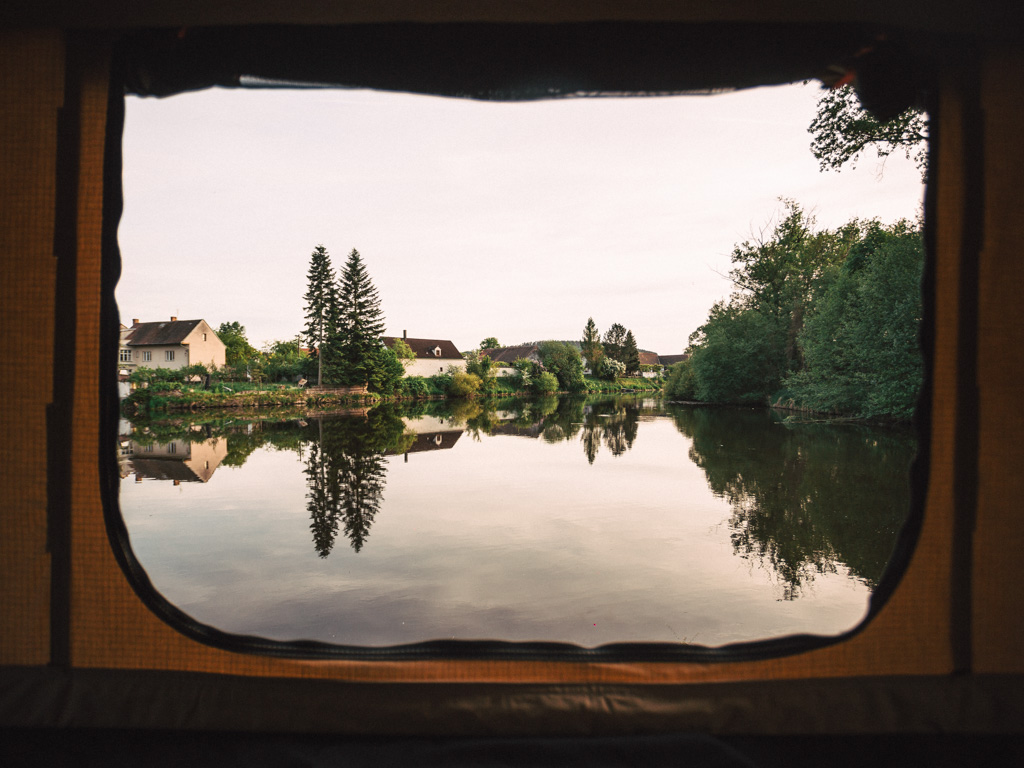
x: 586, y: 521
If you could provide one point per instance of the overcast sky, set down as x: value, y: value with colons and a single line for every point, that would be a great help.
x: 474, y: 219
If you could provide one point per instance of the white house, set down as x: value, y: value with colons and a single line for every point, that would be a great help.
x: 173, y: 344
x: 508, y: 355
x: 433, y: 356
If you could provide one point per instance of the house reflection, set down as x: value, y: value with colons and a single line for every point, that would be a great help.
x: 180, y: 461
x: 432, y: 441
x: 432, y: 433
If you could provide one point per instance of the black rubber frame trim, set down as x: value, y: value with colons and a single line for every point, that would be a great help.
x: 455, y: 650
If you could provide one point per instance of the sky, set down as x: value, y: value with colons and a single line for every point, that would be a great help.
x: 474, y: 219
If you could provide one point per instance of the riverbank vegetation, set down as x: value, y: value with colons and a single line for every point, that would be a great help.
x: 821, y: 320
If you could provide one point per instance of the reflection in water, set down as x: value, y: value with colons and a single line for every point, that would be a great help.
x: 346, y: 474
x: 642, y: 531
x: 805, y: 497
x: 188, y: 459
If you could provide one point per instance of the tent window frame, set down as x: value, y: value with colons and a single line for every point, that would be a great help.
x: 215, y: 57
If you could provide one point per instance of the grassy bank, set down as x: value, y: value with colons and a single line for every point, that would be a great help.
x: 235, y: 395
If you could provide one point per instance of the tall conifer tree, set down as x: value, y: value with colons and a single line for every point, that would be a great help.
x: 356, y: 343
x: 590, y: 346
x: 321, y: 307
x: 615, y: 341
x: 631, y: 354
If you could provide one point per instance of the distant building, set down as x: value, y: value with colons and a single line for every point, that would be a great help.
x: 508, y: 355
x: 433, y: 356
x: 172, y: 344
x: 667, y: 360
x: 652, y: 359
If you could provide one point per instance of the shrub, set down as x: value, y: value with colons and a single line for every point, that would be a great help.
x: 414, y: 386
x: 464, y: 384
x: 681, y: 383
x: 440, y: 383
x: 546, y: 383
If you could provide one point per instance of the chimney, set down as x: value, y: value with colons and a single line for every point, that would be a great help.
x: 135, y: 321
x: 174, y: 319
x: 403, y: 335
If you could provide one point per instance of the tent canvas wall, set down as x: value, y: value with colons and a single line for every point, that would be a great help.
x: 79, y: 647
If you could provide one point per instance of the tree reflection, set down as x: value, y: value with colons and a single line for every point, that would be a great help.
x: 804, y: 498
x: 346, y: 474
x: 615, y: 422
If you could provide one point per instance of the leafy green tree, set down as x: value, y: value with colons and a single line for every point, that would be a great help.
x: 591, y: 347
x: 384, y: 370
x: 526, y: 372
x: 681, y: 384
x: 842, y: 129
x: 564, y: 362
x: 238, y: 351
x: 489, y: 343
x: 740, y: 357
x: 630, y: 354
x: 483, y: 368
x: 750, y: 343
x: 860, y: 343
x: 321, y: 307
x: 403, y: 352
x: 615, y: 342
x: 778, y: 276
x: 546, y: 383
x: 283, y: 360
x: 356, y: 340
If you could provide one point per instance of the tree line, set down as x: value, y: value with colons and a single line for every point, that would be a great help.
x: 822, y: 320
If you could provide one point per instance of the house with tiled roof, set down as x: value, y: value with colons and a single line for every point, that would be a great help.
x: 505, y: 356
x: 651, y: 359
x: 667, y: 360
x: 171, y: 344
x: 433, y: 356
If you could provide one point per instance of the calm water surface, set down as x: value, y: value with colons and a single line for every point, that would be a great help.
x: 581, y: 521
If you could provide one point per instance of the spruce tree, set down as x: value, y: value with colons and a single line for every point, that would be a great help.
x: 591, y: 348
x: 615, y: 341
x: 631, y: 354
x: 321, y: 307
x: 360, y: 325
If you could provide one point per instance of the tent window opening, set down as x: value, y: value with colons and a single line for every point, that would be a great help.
x: 746, y: 482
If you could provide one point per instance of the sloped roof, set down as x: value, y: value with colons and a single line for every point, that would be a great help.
x: 165, y: 469
x: 169, y: 332
x: 424, y: 348
x: 510, y: 354
x: 673, y: 359
x: 650, y: 358
x: 435, y: 441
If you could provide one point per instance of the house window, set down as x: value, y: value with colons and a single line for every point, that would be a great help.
x: 169, y: 355
x: 171, y: 448
x: 125, y: 356
x: 147, y: 357
x: 204, y: 337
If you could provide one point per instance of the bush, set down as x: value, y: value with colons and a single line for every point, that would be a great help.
x: 414, y: 386
x: 681, y: 383
x: 546, y: 383
x: 564, y: 361
x: 440, y: 383
x: 611, y: 369
x: 464, y: 384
